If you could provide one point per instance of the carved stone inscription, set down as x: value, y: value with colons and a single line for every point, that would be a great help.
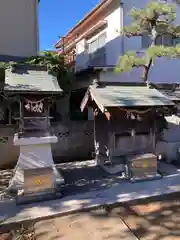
x: 38, y: 180
x: 143, y: 166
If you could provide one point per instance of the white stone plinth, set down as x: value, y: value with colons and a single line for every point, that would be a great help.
x: 35, y: 152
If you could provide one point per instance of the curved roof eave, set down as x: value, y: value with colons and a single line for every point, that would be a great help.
x: 93, y: 11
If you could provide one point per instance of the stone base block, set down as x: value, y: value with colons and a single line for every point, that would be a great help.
x: 147, y: 178
x: 35, y: 170
x: 27, y: 199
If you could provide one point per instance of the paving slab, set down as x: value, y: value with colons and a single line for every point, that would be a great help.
x: 123, y: 192
x: 95, y: 225
x: 153, y: 220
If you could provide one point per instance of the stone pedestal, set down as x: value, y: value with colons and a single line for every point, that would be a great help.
x: 35, y: 154
x: 142, y: 167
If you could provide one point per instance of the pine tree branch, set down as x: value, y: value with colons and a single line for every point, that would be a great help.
x: 146, y: 70
x: 135, y: 29
x: 163, y: 51
x: 177, y: 1
x: 155, y: 13
x: 129, y: 61
x: 156, y: 19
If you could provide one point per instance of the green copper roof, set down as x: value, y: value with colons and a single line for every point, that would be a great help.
x: 127, y: 96
x: 31, y: 80
x: 172, y: 95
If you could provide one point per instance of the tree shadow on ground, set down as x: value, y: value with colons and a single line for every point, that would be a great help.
x: 85, y: 225
x: 152, y: 219
x: 84, y: 179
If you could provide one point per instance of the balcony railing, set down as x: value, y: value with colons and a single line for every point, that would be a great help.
x: 97, y: 58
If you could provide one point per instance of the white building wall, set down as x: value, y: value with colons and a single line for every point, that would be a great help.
x: 113, y: 44
x: 19, y: 27
x: 113, y: 41
x: 163, y: 70
x: 81, y: 55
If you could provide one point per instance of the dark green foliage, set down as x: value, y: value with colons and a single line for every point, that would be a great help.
x: 54, y: 63
x: 155, y: 20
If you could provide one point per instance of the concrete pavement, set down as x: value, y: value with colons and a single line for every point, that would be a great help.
x: 122, y: 192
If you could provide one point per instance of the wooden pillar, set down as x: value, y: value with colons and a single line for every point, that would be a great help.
x: 133, y: 137
x: 133, y: 132
x: 21, y: 111
x: 154, y: 132
x: 111, y: 141
x: 46, y: 111
x: 94, y: 113
x: 9, y: 114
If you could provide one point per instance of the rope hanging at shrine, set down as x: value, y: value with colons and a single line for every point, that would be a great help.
x: 135, y: 111
x: 34, y: 106
x: 130, y: 113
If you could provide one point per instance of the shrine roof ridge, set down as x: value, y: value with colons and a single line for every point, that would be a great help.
x: 106, y: 96
x: 128, y: 84
x: 27, y: 66
x: 23, y: 80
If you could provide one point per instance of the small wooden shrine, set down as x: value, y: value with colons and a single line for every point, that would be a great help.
x: 125, y: 127
x: 35, y: 175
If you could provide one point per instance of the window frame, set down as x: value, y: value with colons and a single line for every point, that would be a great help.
x: 161, y: 39
x: 96, y: 39
x: 100, y: 50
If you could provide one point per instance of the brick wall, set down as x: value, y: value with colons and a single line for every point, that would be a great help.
x: 75, y: 142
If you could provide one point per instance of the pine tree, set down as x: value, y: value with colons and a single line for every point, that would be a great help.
x: 155, y: 20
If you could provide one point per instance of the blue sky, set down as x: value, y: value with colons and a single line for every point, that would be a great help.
x: 56, y: 17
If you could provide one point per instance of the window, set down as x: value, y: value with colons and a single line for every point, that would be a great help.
x: 145, y: 40
x: 93, y: 46
x: 97, y: 51
x: 102, y: 40
x: 99, y: 42
x: 165, y: 40
x: 176, y: 41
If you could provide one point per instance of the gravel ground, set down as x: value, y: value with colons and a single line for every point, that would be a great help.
x: 87, y: 178
x: 5, y: 176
